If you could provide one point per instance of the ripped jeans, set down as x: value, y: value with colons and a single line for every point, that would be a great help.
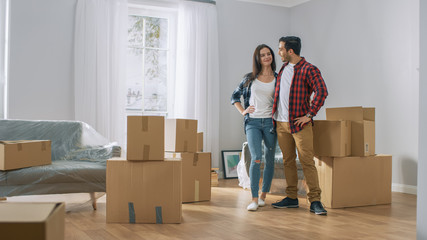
x: 258, y: 129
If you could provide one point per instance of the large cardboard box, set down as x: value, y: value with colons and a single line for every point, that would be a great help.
x: 200, y: 142
x: 24, y: 153
x: 181, y: 135
x: 354, y: 181
x: 362, y: 127
x: 145, y: 138
x: 144, y: 191
x: 332, y: 138
x: 35, y: 221
x: 196, y: 175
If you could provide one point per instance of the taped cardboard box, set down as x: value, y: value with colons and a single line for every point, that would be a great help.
x: 200, y: 142
x: 145, y: 138
x: 354, y: 181
x: 196, y: 175
x: 35, y: 221
x: 181, y: 135
x: 362, y: 127
x: 144, y: 191
x: 332, y: 138
x: 24, y: 153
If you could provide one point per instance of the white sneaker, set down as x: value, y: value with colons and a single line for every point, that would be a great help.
x: 261, y: 202
x: 252, y: 207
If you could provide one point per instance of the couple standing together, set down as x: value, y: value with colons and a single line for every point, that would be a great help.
x: 281, y: 103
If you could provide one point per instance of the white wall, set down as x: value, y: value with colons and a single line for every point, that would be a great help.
x: 242, y: 26
x: 41, y: 46
x: 368, y: 54
x: 422, y: 159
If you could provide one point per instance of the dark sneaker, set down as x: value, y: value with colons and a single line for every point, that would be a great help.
x: 317, y: 208
x: 286, y: 203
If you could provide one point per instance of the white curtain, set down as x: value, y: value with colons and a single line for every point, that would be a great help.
x: 100, y: 66
x: 3, y: 54
x: 197, y: 74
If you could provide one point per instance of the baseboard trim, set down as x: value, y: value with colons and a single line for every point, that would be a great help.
x: 395, y: 187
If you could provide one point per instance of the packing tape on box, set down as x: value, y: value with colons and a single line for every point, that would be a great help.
x: 131, y: 213
x: 43, y: 146
x: 146, y: 152
x: 159, y: 219
x: 144, y: 121
x: 19, y: 145
x: 187, y: 124
x: 196, y: 190
x: 185, y: 145
x: 195, y: 159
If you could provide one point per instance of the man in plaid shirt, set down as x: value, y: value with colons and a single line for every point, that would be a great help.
x: 293, y: 111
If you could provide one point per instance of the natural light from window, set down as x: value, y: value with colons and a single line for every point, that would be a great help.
x: 149, y: 70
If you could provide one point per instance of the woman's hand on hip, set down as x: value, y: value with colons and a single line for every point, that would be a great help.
x: 250, y: 109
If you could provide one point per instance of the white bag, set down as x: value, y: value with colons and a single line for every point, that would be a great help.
x: 244, y: 180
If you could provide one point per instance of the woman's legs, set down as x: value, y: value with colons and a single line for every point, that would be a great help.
x: 270, y: 140
x: 254, y: 137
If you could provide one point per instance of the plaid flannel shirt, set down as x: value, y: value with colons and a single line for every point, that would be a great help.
x: 306, y: 80
x: 241, y: 90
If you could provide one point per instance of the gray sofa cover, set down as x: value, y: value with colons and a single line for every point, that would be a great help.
x: 79, y: 157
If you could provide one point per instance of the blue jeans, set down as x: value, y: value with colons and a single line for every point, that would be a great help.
x: 258, y: 129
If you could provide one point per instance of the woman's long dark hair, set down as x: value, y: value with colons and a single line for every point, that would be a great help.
x: 256, y: 66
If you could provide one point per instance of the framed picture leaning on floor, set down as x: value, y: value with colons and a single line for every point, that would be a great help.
x: 230, y: 159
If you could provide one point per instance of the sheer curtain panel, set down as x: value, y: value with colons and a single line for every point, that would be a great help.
x: 100, y: 66
x: 4, y: 5
x: 197, y: 74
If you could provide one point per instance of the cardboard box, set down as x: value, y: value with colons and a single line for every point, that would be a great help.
x: 363, y: 138
x: 35, y: 221
x: 181, y: 135
x: 351, y: 113
x: 145, y: 138
x: 354, y: 181
x: 332, y: 138
x: 143, y: 191
x: 196, y: 175
x: 200, y: 142
x: 363, y: 127
x: 214, y: 177
x: 24, y: 153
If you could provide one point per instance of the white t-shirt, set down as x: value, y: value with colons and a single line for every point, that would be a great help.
x: 282, y: 113
x: 262, y: 97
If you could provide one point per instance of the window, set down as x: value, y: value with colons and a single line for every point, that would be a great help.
x: 150, y: 61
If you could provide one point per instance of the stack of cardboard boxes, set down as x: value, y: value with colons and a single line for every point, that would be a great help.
x: 183, y: 141
x: 350, y: 173
x: 150, y: 185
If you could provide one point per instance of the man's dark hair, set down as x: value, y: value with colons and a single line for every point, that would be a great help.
x: 292, y: 42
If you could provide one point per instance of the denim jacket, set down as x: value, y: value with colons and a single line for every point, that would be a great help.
x: 246, y: 92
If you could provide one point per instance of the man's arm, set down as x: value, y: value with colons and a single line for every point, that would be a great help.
x: 316, y: 82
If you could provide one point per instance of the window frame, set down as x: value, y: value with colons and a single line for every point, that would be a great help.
x: 172, y: 15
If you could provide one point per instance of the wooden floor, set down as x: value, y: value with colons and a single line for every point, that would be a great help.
x: 226, y: 217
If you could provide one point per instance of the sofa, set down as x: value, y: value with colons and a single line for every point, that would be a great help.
x: 79, y: 156
x: 278, y: 185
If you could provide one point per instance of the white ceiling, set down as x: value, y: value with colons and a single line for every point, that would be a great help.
x: 280, y: 3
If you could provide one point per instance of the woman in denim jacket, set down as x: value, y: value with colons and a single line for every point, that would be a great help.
x: 257, y: 88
